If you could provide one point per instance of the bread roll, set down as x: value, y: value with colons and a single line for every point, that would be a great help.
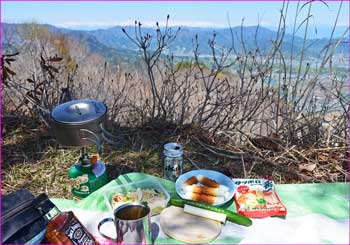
x: 210, y: 183
x: 207, y: 182
x: 191, y: 181
x: 203, y: 198
x: 204, y: 190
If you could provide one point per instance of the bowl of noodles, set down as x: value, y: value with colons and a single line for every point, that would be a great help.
x: 147, y: 190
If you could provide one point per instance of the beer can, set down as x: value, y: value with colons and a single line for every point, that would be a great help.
x: 172, y: 161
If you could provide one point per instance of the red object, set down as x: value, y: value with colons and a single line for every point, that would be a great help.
x: 243, y: 189
x: 257, y: 198
x: 94, y: 159
x: 268, y: 177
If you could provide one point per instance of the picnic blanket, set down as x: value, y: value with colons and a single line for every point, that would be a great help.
x: 317, y: 213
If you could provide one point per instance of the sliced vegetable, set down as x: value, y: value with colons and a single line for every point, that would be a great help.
x: 230, y: 216
x: 205, y: 213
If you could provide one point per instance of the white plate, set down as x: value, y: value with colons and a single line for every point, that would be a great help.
x: 218, y: 177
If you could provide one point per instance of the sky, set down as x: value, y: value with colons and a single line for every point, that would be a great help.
x: 97, y: 14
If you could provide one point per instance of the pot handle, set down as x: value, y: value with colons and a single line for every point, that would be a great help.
x: 110, y: 138
x: 97, y: 141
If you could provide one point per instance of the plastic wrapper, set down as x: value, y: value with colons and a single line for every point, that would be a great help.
x: 257, y: 198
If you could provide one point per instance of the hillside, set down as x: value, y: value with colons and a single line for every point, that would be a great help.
x: 113, y: 44
x: 245, y: 120
x: 113, y: 54
x: 183, y: 44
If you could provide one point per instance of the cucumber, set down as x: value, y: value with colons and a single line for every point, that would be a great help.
x: 230, y: 216
x: 205, y: 213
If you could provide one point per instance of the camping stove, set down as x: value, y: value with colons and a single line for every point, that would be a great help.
x: 79, y: 123
x: 87, y: 174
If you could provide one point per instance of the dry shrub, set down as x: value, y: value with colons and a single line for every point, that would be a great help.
x: 265, y: 103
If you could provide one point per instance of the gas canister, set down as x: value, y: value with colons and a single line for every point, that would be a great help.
x: 87, y: 175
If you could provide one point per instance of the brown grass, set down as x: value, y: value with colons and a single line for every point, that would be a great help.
x: 33, y: 160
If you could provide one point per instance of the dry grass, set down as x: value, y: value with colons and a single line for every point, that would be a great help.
x: 295, y: 141
x: 33, y: 160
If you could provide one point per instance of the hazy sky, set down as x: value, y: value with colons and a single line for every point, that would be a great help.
x: 205, y: 14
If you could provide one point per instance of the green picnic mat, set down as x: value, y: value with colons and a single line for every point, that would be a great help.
x: 330, y: 199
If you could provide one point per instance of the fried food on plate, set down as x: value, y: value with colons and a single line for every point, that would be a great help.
x: 203, y: 198
x: 191, y: 181
x: 205, y: 190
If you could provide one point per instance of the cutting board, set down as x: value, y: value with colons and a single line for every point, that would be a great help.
x: 188, y: 228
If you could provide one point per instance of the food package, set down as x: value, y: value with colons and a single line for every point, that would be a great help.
x: 257, y: 198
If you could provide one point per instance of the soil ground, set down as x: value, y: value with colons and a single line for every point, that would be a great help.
x: 32, y: 159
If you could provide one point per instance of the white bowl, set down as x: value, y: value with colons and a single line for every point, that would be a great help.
x: 218, y: 177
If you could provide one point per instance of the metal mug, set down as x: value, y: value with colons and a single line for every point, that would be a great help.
x: 132, y: 223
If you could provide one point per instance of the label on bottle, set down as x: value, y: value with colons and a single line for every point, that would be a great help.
x: 77, y: 234
x: 172, y: 168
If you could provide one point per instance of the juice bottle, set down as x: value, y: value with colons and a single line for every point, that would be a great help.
x: 65, y: 228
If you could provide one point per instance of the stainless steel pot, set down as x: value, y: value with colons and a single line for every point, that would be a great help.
x: 80, y: 123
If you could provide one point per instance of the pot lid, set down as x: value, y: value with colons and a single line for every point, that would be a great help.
x: 78, y: 111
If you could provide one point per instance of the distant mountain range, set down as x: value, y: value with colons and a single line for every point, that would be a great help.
x: 319, y: 31
x: 113, y: 44
x: 183, y: 44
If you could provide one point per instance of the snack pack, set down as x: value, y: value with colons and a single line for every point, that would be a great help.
x: 257, y: 198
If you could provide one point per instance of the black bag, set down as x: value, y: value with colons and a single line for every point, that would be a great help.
x: 23, y: 217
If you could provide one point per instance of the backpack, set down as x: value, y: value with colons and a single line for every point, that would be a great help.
x: 23, y: 217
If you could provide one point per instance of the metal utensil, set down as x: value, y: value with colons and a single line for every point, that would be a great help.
x: 81, y: 123
x: 132, y: 223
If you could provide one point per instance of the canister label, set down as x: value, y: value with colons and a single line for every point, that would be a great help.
x: 80, y: 185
